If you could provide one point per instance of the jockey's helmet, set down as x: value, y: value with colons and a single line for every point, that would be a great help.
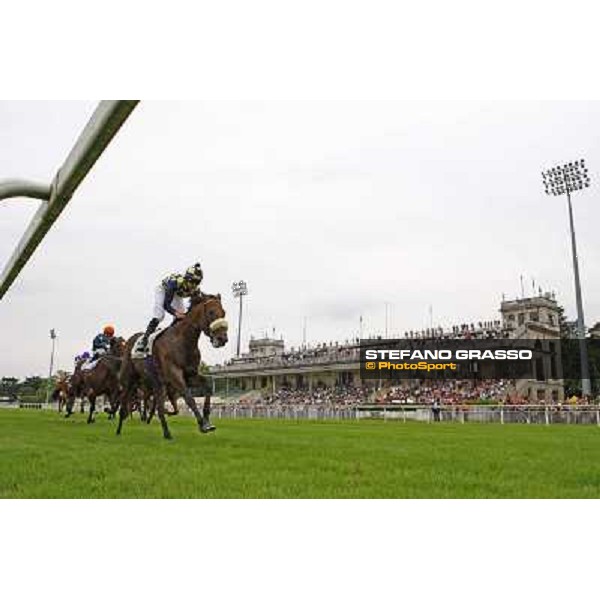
x: 194, y: 274
x: 109, y: 330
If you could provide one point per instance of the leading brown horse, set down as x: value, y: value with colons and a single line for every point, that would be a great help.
x: 175, y: 360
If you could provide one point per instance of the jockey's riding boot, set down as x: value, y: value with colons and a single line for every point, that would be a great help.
x: 149, y: 331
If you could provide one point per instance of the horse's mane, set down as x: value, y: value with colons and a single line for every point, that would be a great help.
x: 201, y: 298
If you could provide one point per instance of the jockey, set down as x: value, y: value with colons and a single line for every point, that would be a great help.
x: 81, y: 358
x: 169, y: 296
x: 102, y: 342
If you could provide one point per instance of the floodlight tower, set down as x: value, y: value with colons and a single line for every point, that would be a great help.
x: 239, y: 289
x: 560, y: 180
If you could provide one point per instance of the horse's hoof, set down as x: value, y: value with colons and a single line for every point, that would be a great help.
x: 207, y: 428
x: 168, y: 436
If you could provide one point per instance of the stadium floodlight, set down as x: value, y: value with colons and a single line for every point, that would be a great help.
x: 564, y: 180
x: 239, y: 289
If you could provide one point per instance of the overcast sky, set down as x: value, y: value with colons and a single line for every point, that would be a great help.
x: 327, y: 210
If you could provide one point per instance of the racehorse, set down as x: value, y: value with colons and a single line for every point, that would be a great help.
x: 102, y: 379
x: 74, y: 388
x: 173, y: 365
x: 60, y: 393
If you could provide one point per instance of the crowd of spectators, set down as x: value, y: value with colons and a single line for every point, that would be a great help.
x: 414, y: 392
x: 347, y: 395
x: 450, y: 392
x: 309, y: 355
x: 482, y: 330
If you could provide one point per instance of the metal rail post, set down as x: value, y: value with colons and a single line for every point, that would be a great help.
x: 104, y: 123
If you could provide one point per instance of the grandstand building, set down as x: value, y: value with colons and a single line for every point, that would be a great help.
x: 268, y: 367
x: 537, y: 318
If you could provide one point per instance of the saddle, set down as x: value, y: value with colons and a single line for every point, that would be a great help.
x: 136, y: 352
x: 92, y: 364
x: 88, y: 366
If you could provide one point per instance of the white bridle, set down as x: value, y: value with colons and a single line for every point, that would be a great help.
x: 218, y: 324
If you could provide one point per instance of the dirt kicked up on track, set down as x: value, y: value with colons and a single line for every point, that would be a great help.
x: 42, y: 455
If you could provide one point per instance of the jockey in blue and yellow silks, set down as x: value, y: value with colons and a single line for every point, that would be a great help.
x: 170, y: 295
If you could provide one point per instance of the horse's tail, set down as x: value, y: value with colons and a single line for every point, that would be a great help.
x: 126, y: 370
x: 127, y: 375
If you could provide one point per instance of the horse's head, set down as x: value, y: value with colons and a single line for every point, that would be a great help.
x: 209, y: 314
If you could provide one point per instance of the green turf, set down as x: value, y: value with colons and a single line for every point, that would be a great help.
x: 42, y: 455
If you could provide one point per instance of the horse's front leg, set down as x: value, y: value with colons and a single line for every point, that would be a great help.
x: 185, y: 382
x: 112, y: 405
x: 159, y: 395
x: 179, y: 383
x: 191, y: 404
x: 92, y: 400
x: 206, y: 385
x: 208, y: 426
x: 123, y: 404
x: 69, y: 405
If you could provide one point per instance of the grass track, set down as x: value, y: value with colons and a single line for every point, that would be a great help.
x: 43, y: 455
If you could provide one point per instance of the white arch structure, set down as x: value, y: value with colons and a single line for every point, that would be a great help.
x: 95, y: 137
